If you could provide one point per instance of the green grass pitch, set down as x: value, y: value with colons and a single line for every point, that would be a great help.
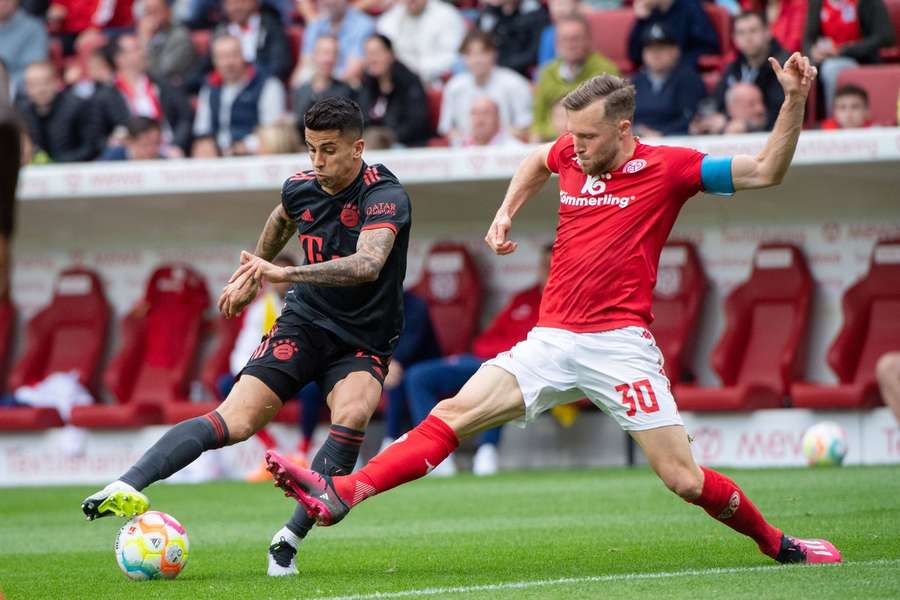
x: 550, y: 534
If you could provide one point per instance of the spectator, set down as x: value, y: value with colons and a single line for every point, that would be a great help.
x: 684, y: 19
x: 392, y: 96
x: 576, y: 63
x: 236, y: 99
x: 487, y: 128
x: 134, y: 93
x: 851, y: 109
x: 745, y: 112
x: 351, y: 28
x: 59, y: 123
x: 144, y: 142
x: 278, y: 138
x: 323, y: 83
x: 786, y: 18
x: 23, y: 40
x: 90, y: 66
x: 429, y: 381
x: 417, y: 343
x: 667, y: 90
x: 426, y: 35
x: 844, y: 33
x: 6, y: 94
x: 169, y: 46
x: 516, y: 27
x: 13, y: 142
x: 205, y: 14
x: 510, y: 91
x: 558, y: 9
x: 71, y: 17
x: 261, y: 34
x: 755, y: 45
x: 559, y: 118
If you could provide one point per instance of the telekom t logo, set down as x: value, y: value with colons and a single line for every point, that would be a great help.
x: 593, y: 186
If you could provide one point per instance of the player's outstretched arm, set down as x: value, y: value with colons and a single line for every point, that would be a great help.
x: 530, y: 177
x: 363, y: 266
x: 769, y: 166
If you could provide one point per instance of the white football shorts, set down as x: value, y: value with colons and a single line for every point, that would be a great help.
x: 621, y: 371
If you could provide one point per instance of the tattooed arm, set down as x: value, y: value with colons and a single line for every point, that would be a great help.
x: 363, y: 266
x: 278, y: 230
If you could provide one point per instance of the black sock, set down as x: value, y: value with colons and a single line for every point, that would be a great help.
x: 179, y: 447
x: 337, y: 456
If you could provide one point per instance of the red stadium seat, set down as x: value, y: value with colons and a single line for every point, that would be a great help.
x: 721, y: 21
x: 7, y: 332
x: 882, y: 82
x: 295, y: 39
x: 892, y: 54
x: 759, y: 353
x: 677, y: 299
x: 871, y: 328
x: 159, y: 347
x: 29, y: 419
x: 69, y: 334
x: 451, y: 285
x: 609, y: 31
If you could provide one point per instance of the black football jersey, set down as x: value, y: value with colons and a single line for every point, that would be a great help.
x: 370, y: 315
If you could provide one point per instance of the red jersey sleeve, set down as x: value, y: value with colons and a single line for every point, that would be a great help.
x: 684, y: 171
x: 561, y: 150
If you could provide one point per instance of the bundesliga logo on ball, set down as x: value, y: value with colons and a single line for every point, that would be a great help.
x: 152, y: 545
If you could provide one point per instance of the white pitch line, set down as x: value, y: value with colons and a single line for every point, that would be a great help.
x: 518, y: 585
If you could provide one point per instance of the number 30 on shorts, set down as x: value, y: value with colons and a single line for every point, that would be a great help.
x: 645, y: 398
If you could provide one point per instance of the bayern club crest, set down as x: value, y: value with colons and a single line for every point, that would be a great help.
x: 633, y: 166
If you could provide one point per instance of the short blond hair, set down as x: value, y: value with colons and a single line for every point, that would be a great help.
x: 617, y: 93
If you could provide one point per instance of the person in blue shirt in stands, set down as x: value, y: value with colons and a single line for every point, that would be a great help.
x: 668, y: 91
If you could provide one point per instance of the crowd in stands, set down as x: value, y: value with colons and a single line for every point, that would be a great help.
x: 137, y: 79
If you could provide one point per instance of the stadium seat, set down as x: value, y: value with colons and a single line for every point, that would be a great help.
x: 721, y: 21
x: 882, y: 82
x: 451, y: 285
x: 159, y: 345
x: 7, y: 333
x: 759, y: 353
x: 871, y: 328
x: 69, y: 334
x: 29, y: 419
x: 609, y: 31
x: 892, y: 54
x: 677, y: 299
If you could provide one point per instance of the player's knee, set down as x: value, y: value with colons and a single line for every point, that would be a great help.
x: 683, y: 481
x: 888, y: 367
x: 353, y: 416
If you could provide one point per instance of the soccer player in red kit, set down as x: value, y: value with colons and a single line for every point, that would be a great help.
x: 619, y: 199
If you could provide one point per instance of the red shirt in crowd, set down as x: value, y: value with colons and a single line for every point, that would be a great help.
x: 611, y: 231
x: 788, y: 25
x: 85, y: 14
x: 511, y: 326
x: 840, y: 21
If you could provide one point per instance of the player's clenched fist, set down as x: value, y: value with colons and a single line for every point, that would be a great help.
x: 498, y: 235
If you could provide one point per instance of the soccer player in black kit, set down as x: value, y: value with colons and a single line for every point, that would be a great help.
x: 341, y: 319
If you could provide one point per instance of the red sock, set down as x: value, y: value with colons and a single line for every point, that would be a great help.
x: 266, y: 438
x: 724, y: 501
x: 412, y: 456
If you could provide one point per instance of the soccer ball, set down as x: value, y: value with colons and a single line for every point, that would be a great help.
x: 152, y: 546
x: 825, y: 444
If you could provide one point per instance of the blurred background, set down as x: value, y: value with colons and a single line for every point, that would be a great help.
x: 157, y: 135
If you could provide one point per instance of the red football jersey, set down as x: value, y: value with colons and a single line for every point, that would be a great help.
x: 611, y: 231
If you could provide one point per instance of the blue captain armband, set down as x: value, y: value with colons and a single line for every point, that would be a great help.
x: 715, y: 174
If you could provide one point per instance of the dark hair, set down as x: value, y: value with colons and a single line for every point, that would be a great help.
x: 138, y: 125
x: 385, y: 41
x: 477, y: 36
x: 850, y: 89
x: 749, y: 14
x: 335, y: 112
x: 617, y: 94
